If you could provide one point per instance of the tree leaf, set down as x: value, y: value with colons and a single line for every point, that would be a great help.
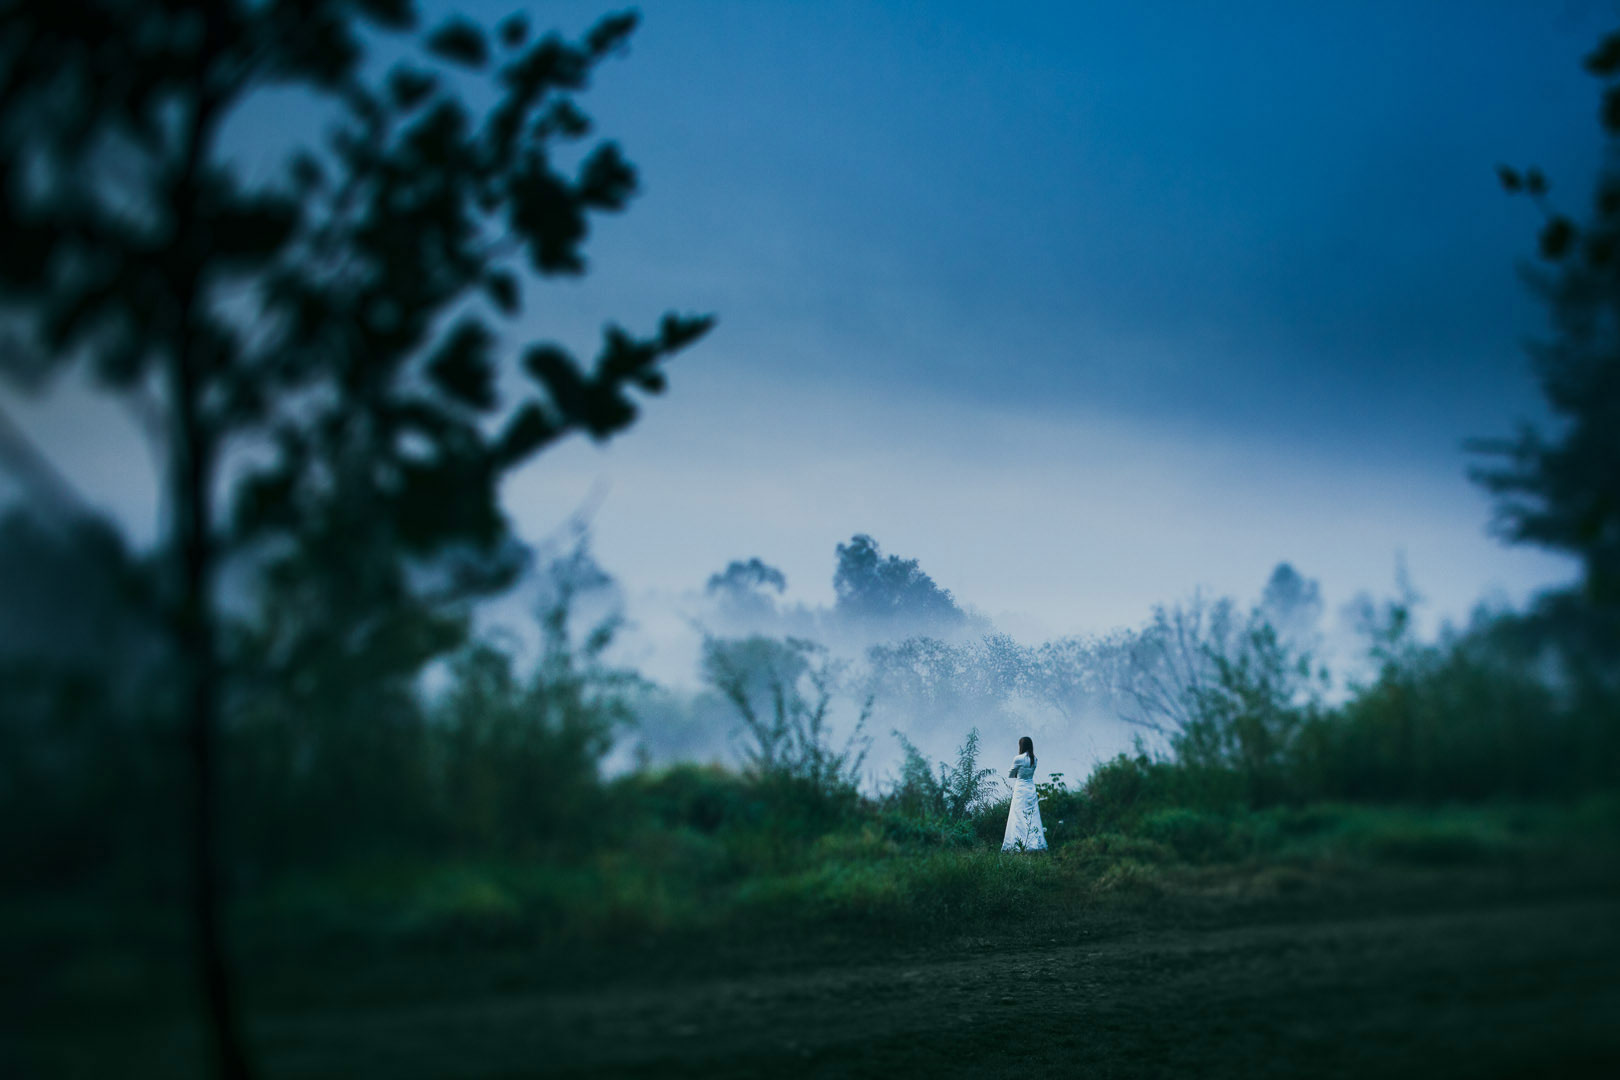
x: 306, y: 171
x: 460, y: 41
x: 528, y: 430
x: 392, y: 14
x: 252, y: 230
x: 560, y: 375
x: 513, y: 30
x: 1608, y: 197
x: 606, y: 180
x: 565, y: 119
x: 544, y: 213
x: 1605, y: 59
x: 1556, y: 237
x: 461, y: 368
x: 611, y: 33
x: 502, y: 287
x: 678, y: 331
x: 408, y: 87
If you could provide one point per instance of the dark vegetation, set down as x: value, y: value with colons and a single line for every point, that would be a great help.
x: 484, y: 803
x: 313, y: 355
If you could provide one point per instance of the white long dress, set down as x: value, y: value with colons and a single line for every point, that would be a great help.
x: 1024, y: 829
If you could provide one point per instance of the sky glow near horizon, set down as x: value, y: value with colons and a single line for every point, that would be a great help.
x: 1084, y: 308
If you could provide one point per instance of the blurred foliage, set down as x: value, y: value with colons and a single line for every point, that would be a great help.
x: 312, y: 348
x: 783, y: 691
x: 1562, y: 489
x: 504, y: 760
x: 501, y: 761
x: 90, y: 771
x: 743, y: 589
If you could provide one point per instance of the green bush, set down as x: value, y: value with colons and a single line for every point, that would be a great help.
x: 1109, y: 848
x: 1121, y: 791
x: 706, y: 798
x: 1130, y: 876
x: 931, y: 832
x: 1195, y: 835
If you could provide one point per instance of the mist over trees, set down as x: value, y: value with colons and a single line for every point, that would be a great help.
x: 931, y: 670
x: 743, y: 590
x: 897, y: 648
x: 783, y: 692
x: 885, y: 593
x: 1292, y: 604
x: 1246, y: 692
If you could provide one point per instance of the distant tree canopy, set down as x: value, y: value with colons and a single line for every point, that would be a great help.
x: 870, y: 586
x: 1562, y: 490
x: 1292, y: 603
x: 743, y: 588
x: 753, y: 575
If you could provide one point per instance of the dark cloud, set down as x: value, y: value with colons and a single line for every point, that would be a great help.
x: 1087, y: 282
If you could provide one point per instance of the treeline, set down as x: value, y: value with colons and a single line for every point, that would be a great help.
x: 502, y: 757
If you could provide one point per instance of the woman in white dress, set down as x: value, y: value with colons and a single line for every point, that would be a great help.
x: 1024, y: 830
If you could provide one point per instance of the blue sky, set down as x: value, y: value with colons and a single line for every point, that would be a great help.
x: 1084, y: 305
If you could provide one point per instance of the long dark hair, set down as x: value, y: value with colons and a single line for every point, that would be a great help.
x: 1026, y: 745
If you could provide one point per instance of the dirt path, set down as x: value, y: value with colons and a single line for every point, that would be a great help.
x: 1526, y: 989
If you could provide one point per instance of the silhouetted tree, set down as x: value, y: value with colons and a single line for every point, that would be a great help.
x: 743, y: 588
x: 870, y: 586
x: 317, y: 353
x: 1247, y: 714
x: 1161, y: 672
x: 924, y: 675
x: 930, y: 685
x: 1076, y: 674
x: 1562, y: 490
x: 1292, y: 604
x: 783, y: 692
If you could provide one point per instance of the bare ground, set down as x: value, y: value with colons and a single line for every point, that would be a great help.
x: 1524, y: 988
x: 1451, y: 981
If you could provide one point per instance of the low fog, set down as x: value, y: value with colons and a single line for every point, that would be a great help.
x: 899, y: 656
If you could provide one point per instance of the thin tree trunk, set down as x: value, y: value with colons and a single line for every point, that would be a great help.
x: 193, y: 460
x: 198, y: 645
